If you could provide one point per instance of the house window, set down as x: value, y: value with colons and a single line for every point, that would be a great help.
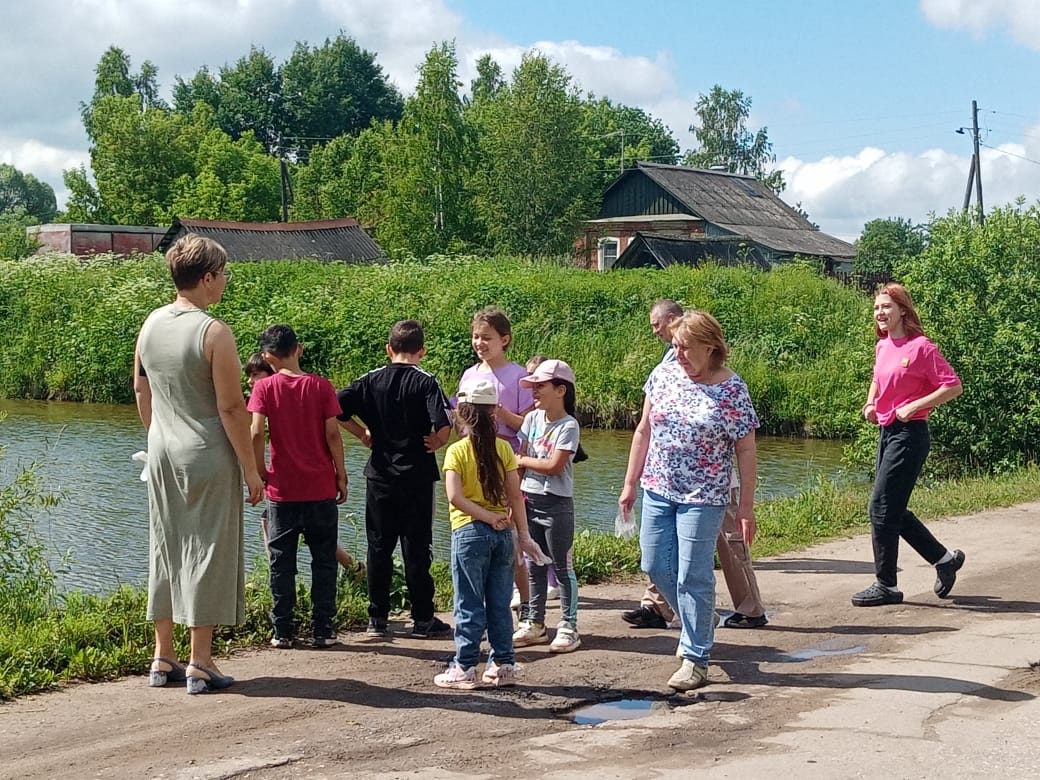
x: 608, y: 251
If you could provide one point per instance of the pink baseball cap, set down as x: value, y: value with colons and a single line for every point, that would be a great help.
x: 548, y: 370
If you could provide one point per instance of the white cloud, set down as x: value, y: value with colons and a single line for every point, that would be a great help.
x: 1019, y: 18
x: 841, y: 194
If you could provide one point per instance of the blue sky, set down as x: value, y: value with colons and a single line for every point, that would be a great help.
x: 861, y: 99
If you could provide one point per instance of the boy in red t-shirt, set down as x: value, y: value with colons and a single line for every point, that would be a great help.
x: 305, y: 481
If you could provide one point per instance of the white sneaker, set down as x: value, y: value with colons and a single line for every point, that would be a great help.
x: 530, y: 633
x: 566, y: 639
x: 457, y: 677
x: 688, y: 676
x: 553, y: 593
x: 499, y: 676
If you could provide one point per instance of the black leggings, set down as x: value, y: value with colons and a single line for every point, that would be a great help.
x: 901, y: 453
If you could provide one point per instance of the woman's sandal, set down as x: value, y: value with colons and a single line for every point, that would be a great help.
x: 213, y: 682
x: 157, y: 678
x: 740, y: 620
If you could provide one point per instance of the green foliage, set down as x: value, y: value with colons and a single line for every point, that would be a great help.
x: 724, y: 138
x: 23, y: 195
x: 332, y: 90
x: 535, y: 172
x: 977, y: 289
x: 15, y: 243
x: 619, y: 135
x: 803, y: 343
x: 886, y: 244
x: 425, y: 204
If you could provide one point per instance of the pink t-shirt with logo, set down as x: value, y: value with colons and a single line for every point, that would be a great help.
x: 906, y: 369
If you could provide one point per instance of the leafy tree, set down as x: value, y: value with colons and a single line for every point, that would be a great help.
x: 345, y: 178
x: 425, y: 204
x: 977, y: 288
x: 245, y: 98
x: 886, y: 244
x: 233, y: 180
x: 619, y: 135
x: 83, y: 203
x: 24, y: 191
x: 489, y: 80
x: 335, y: 89
x: 725, y: 140
x: 536, y: 171
x: 113, y: 78
x: 136, y: 157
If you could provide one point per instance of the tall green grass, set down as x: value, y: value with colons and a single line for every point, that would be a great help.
x: 803, y: 343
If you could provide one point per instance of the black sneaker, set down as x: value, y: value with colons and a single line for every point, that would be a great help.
x: 377, y: 627
x: 644, y: 617
x: 877, y: 595
x: 282, y: 642
x: 321, y: 642
x: 434, y: 628
x: 946, y: 574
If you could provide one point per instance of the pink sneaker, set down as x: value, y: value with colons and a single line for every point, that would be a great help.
x: 457, y: 677
x: 499, y: 676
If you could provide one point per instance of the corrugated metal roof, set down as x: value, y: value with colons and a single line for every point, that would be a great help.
x: 330, y: 240
x: 742, y: 205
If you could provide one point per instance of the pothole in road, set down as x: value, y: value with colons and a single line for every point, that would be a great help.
x: 622, y: 709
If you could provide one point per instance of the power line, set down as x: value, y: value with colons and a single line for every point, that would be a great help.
x: 1010, y: 154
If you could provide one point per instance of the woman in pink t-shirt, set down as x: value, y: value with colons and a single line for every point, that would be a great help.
x: 910, y: 379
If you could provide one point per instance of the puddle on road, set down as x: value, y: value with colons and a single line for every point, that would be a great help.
x: 623, y: 709
x: 822, y: 650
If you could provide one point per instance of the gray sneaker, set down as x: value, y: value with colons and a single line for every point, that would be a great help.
x: 377, y: 627
x: 688, y: 676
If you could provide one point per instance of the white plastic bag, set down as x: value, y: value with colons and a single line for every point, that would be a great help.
x: 625, y: 525
x: 141, y: 457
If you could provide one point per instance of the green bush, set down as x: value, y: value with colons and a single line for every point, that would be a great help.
x: 802, y: 342
x: 977, y: 288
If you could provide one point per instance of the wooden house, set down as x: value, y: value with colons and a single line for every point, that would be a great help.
x: 331, y: 240
x: 656, y: 215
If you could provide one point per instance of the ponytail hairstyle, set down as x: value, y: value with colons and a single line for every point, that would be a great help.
x: 569, y: 406
x: 478, y: 420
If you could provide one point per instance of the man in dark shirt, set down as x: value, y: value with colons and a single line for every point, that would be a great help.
x: 405, y: 413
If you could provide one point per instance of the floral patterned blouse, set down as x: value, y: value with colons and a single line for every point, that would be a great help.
x: 693, y: 429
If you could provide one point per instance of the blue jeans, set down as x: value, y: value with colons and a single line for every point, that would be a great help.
x: 318, y: 522
x: 678, y: 553
x: 482, y: 573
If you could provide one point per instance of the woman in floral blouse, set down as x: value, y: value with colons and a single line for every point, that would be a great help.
x: 697, y: 414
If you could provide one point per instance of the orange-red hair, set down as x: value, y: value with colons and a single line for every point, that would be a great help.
x: 900, y: 297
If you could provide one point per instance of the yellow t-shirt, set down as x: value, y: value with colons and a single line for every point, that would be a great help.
x: 461, y: 459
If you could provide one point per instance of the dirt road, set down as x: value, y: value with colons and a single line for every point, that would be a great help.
x: 928, y: 688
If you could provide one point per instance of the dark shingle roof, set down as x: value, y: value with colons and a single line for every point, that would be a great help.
x: 743, y: 206
x: 331, y: 240
x: 647, y: 249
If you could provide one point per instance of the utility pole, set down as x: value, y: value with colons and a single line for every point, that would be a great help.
x: 978, y: 160
x: 975, y: 170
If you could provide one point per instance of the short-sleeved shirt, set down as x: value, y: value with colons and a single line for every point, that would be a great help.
x: 511, y: 394
x: 543, y: 439
x: 693, y: 431
x: 461, y: 459
x: 400, y: 403
x: 297, y: 408
x: 906, y: 369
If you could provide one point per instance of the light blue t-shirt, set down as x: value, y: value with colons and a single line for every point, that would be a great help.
x: 543, y: 439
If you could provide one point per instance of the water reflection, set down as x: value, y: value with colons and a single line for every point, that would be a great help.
x: 83, y: 452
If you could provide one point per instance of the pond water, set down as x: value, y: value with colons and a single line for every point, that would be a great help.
x: 83, y: 452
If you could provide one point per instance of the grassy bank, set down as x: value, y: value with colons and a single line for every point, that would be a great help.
x: 49, y: 638
x: 802, y: 342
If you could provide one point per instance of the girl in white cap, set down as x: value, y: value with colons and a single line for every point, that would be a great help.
x: 483, y: 490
